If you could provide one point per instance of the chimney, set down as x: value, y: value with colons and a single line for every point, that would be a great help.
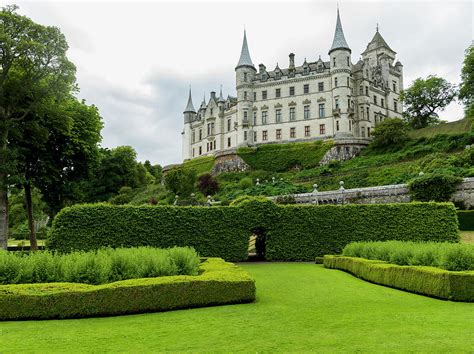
x: 292, y: 61
x: 261, y: 68
x: 213, y: 95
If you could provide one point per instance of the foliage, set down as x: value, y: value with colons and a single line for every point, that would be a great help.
x: 207, y: 184
x: 462, y: 126
x: 433, y: 187
x: 244, y: 199
x: 424, y: 98
x: 154, y: 170
x: 293, y: 232
x: 264, y: 188
x: 220, y: 283
x: 391, y: 133
x: 201, y: 164
x: 466, y: 220
x: 421, y: 280
x: 180, y: 181
x: 466, y: 91
x: 97, y: 267
x: 431, y: 254
x: 282, y: 157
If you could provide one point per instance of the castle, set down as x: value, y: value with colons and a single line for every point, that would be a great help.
x: 332, y: 99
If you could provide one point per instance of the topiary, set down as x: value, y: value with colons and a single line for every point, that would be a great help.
x: 247, y: 199
x: 433, y: 187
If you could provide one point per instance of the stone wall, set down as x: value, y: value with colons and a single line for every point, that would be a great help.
x: 344, y: 149
x: 397, y: 193
x: 228, y: 161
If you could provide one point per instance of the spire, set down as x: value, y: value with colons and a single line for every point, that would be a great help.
x: 203, y: 103
x: 190, y: 106
x: 339, y: 41
x: 221, y: 98
x: 245, y: 59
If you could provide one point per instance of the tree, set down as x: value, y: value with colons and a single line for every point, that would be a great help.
x: 34, y: 73
x: 466, y: 91
x: 181, y: 181
x: 207, y: 184
x: 424, y: 98
x: 154, y: 170
x: 390, y: 133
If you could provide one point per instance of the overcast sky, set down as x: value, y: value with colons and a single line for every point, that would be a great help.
x: 136, y: 60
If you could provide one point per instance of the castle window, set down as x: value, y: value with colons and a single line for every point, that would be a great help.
x: 307, y: 131
x: 292, y: 91
x: 245, y: 95
x: 368, y: 131
x: 395, y: 105
x: 350, y: 125
x: 335, y: 82
x: 367, y: 73
x: 394, y: 86
x: 320, y: 86
x: 334, y: 62
x: 375, y: 99
x: 306, y: 88
x: 348, y: 62
x: 229, y: 141
x: 212, y: 111
x: 200, y: 134
x: 193, y: 152
x: 245, y: 135
x: 362, y: 112
x: 278, y: 116
x: 246, y: 117
x: 306, y: 112
x: 215, y: 143
x: 362, y: 132
x: 322, y: 129
x: 229, y: 122
x: 336, y: 103
x: 348, y: 81
x: 382, y: 102
x: 193, y: 139
x: 254, y: 96
x: 245, y: 77
x: 321, y: 110
x: 264, y: 95
x: 348, y: 103
x: 264, y: 117
x: 366, y: 90
x: 264, y: 135
x: 292, y: 133
x: 337, y: 125
x: 361, y: 90
x: 200, y: 150
x: 292, y: 114
x: 368, y: 115
x: 254, y: 118
x: 277, y: 93
x: 254, y: 137
x: 278, y: 134
x: 207, y: 147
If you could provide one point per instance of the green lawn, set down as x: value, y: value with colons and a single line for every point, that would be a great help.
x: 300, y: 307
x: 13, y: 242
x: 467, y: 236
x: 456, y: 127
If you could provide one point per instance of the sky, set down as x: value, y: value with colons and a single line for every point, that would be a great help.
x: 136, y: 60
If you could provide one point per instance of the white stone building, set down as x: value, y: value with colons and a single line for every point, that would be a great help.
x: 316, y: 100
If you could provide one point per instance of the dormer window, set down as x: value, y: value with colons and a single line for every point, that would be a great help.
x: 306, y: 70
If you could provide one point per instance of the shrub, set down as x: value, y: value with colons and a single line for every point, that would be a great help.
x: 96, y: 267
x: 449, y: 256
x: 466, y: 220
x: 439, y: 283
x: 433, y: 187
x: 391, y: 133
x: 292, y: 232
x: 207, y: 184
x: 218, y: 283
x: 180, y: 181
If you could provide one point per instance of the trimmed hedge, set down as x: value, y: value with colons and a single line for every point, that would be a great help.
x: 291, y: 232
x: 466, y: 220
x: 220, y: 283
x: 282, y: 157
x: 435, y: 282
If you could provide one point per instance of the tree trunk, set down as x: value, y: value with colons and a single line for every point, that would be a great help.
x: 3, y: 189
x: 31, y: 220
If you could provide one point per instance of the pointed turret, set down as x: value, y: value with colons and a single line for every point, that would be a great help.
x: 221, y: 98
x: 190, y: 106
x: 245, y: 59
x: 378, y: 42
x: 339, y: 41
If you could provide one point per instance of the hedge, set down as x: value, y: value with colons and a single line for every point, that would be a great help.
x: 291, y: 232
x: 434, y: 282
x: 466, y: 220
x: 282, y: 157
x: 220, y: 283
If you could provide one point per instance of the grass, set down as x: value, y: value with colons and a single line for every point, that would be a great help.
x: 467, y: 237
x: 23, y: 243
x: 451, y: 128
x: 300, y: 307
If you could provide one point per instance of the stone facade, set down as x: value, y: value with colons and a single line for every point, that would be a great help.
x: 228, y: 161
x: 320, y: 99
x: 397, y: 193
x: 344, y: 149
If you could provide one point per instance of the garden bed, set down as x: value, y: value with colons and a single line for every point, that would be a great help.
x: 430, y: 281
x: 219, y: 283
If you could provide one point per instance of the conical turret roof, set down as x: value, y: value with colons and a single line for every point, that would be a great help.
x: 221, y: 98
x: 245, y: 59
x: 190, y: 106
x: 378, y: 42
x: 339, y: 41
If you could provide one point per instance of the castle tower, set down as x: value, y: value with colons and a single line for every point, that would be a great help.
x: 341, y: 81
x: 244, y: 75
x: 189, y: 116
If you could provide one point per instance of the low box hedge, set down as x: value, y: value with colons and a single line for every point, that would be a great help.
x: 220, y: 283
x: 291, y: 232
x: 430, y: 281
x: 466, y: 220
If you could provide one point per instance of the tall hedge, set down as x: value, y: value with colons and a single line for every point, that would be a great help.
x: 291, y: 232
x: 281, y: 157
x: 466, y: 220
